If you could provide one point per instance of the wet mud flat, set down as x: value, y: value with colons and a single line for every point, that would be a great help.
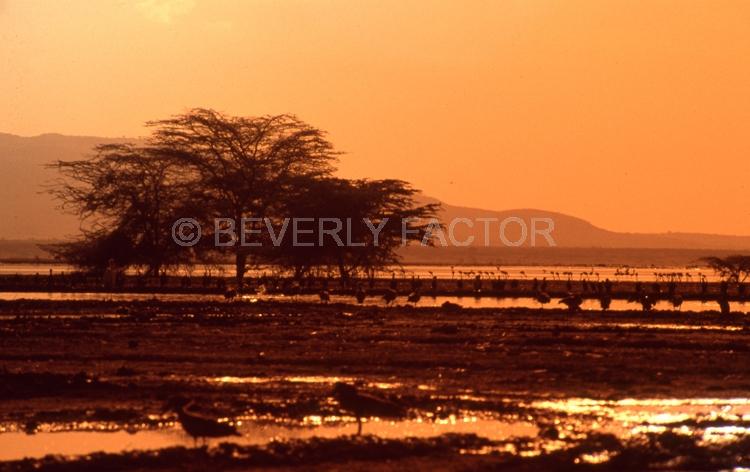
x: 507, y: 388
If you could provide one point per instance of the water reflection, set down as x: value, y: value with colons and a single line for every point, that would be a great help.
x: 710, y: 419
x: 298, y: 379
x: 551, y: 272
x: 425, y: 301
x: 17, y: 445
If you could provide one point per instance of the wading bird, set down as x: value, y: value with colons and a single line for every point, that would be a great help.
x: 230, y: 294
x: 647, y: 301
x: 325, y: 297
x: 389, y: 295
x: 365, y: 405
x: 543, y: 298
x: 414, y: 297
x: 676, y: 301
x: 360, y: 295
x: 196, y: 425
x: 572, y: 301
x: 605, y: 300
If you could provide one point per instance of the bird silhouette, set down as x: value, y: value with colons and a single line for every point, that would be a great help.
x: 414, y: 297
x: 360, y: 295
x: 543, y: 298
x: 230, y: 294
x: 389, y: 295
x: 325, y: 297
x: 605, y: 300
x: 365, y: 405
x: 196, y: 425
x: 647, y: 301
x: 572, y: 301
x: 676, y: 301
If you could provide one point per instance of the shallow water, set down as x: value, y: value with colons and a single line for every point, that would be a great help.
x: 93, y: 437
x: 710, y: 420
x: 425, y: 301
x: 465, y: 272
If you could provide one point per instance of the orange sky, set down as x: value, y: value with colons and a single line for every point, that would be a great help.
x: 632, y: 115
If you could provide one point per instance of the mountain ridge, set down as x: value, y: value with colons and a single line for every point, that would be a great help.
x: 27, y: 212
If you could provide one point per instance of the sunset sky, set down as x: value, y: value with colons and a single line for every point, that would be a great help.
x: 632, y: 115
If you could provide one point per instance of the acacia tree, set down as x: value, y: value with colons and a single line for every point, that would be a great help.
x: 243, y: 166
x: 126, y: 197
x: 732, y: 268
x: 372, y: 219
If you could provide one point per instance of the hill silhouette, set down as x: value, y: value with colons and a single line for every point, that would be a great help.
x: 27, y: 212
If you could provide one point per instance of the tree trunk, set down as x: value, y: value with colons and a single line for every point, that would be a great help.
x: 343, y: 272
x: 240, y: 262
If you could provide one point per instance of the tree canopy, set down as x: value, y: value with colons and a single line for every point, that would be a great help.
x: 731, y: 268
x: 243, y: 166
x: 127, y: 198
x: 206, y: 166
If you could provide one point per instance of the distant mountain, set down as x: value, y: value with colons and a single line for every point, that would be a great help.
x: 27, y: 212
x: 572, y: 232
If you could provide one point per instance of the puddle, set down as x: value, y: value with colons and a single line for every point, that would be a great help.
x: 17, y: 445
x: 310, y: 379
x: 711, y: 420
x: 662, y: 326
x: 110, y: 296
x: 302, y: 379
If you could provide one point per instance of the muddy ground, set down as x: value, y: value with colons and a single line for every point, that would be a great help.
x: 71, y: 361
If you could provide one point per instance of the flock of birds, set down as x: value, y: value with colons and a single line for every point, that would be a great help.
x: 645, y: 295
x: 389, y: 296
x: 361, y: 405
x: 201, y: 427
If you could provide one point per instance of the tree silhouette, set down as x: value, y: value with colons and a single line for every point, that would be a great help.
x: 732, y: 268
x: 127, y: 198
x: 388, y: 206
x: 243, y: 166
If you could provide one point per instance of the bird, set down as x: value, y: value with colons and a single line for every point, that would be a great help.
x: 676, y: 301
x: 196, y: 425
x: 605, y: 300
x: 294, y: 289
x: 230, y: 294
x: 450, y: 307
x: 543, y: 298
x: 414, y: 297
x: 389, y: 295
x: 364, y: 404
x: 572, y: 301
x: 647, y: 302
x: 360, y: 295
x: 325, y: 297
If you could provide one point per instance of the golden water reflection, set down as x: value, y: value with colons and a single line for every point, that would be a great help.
x: 712, y: 420
x: 81, y: 438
